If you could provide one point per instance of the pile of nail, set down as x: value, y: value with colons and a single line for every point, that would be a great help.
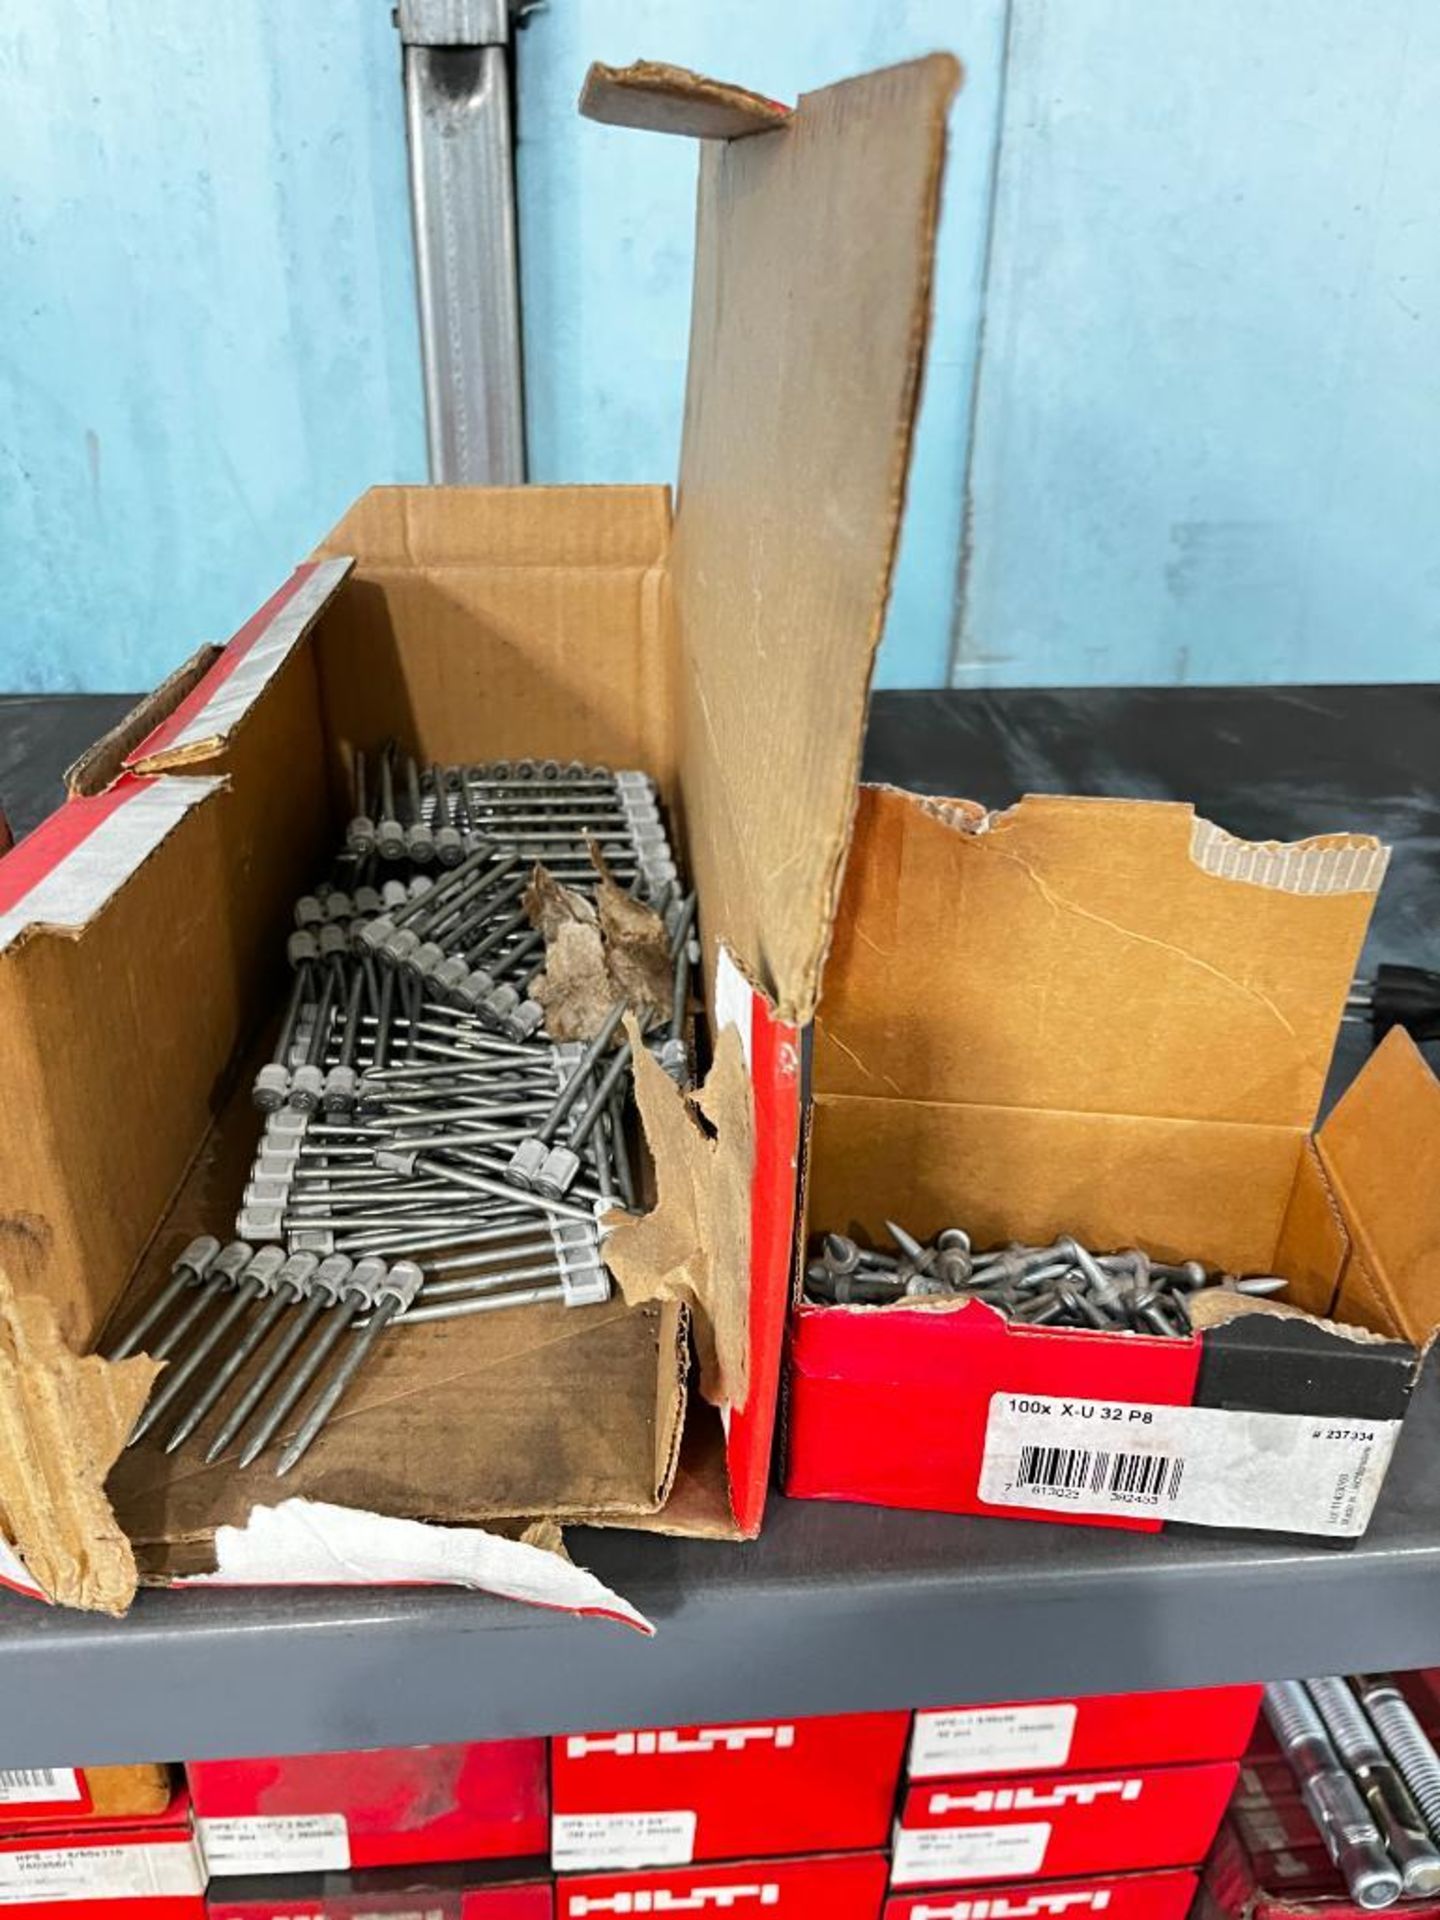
x: 428, y: 1153
x: 1369, y: 1776
x: 1063, y: 1284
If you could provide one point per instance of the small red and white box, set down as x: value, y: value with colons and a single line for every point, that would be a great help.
x: 1126, y: 1896
x: 1106, y: 1730
x: 73, y: 1796
x: 836, y: 1886
x: 395, y: 1806
x: 669, y: 1796
x: 1055, y: 1826
x: 456, y: 1892
x: 32, y: 1795
x: 129, y: 1870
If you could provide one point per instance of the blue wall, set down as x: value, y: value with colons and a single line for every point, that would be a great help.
x: 1207, y: 439
x: 607, y: 218
x: 1206, y: 432
x: 1197, y: 437
x: 207, y: 313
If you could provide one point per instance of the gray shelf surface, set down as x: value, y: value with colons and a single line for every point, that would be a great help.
x: 836, y: 1608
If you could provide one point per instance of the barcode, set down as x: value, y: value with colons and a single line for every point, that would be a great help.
x: 31, y: 1780
x: 1123, y: 1476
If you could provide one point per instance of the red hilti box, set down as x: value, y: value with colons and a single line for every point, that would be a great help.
x: 835, y: 1886
x: 666, y: 1796
x: 516, y: 1891
x: 1107, y: 1730
x: 396, y: 1806
x: 1126, y: 1896
x: 125, y: 1870
x: 71, y: 1796
x: 1054, y: 1825
x: 1079, y: 978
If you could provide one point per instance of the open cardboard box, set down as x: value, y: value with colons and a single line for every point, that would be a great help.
x: 1111, y: 1019
x: 728, y: 654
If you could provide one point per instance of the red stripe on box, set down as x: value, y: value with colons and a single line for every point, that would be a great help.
x: 775, y: 1075
x: 73, y: 821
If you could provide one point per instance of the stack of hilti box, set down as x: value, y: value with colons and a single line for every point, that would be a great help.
x: 111, y: 1843
x: 1269, y: 1858
x: 788, y: 1816
x: 1065, y: 1807
x: 430, y: 1833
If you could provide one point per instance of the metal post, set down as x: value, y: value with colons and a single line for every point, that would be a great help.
x: 462, y: 198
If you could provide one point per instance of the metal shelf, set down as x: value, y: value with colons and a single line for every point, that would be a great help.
x: 833, y: 1609
x: 840, y: 1607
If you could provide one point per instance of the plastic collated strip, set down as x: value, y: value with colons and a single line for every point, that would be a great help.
x: 577, y: 1254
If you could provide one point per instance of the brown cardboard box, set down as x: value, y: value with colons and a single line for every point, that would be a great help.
x: 728, y: 655
x: 1109, y: 1018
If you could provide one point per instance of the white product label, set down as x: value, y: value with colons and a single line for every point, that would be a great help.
x: 276, y: 1843
x: 665, y: 1839
x: 1285, y: 1472
x: 35, y: 1786
x: 992, y: 1740
x: 155, y: 1872
x: 931, y: 1855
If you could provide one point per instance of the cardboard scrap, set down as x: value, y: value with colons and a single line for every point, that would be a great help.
x: 637, y: 952
x: 697, y: 1239
x: 656, y: 97
x: 63, y: 1423
x: 596, y: 954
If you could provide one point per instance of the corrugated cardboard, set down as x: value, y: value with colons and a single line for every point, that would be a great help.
x: 729, y: 659
x: 1106, y: 1018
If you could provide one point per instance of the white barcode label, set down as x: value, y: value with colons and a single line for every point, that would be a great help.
x: 276, y: 1843
x: 1283, y: 1472
x: 991, y: 1740
x: 659, y: 1839
x: 37, y: 1786
x: 1136, y: 1478
x: 931, y: 1856
x: 154, y: 1871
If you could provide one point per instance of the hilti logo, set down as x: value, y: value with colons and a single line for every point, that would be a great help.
x: 662, y: 1900
x: 1071, y: 1793
x: 997, y: 1907
x: 625, y: 1746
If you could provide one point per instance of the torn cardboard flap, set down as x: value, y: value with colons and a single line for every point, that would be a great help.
x: 63, y: 1422
x: 695, y: 1246
x: 653, y: 97
x: 811, y: 310
x: 1094, y: 956
x: 1381, y: 1150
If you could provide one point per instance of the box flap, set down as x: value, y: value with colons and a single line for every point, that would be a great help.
x: 1381, y: 1149
x: 1096, y: 956
x: 814, y: 248
x: 657, y: 98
